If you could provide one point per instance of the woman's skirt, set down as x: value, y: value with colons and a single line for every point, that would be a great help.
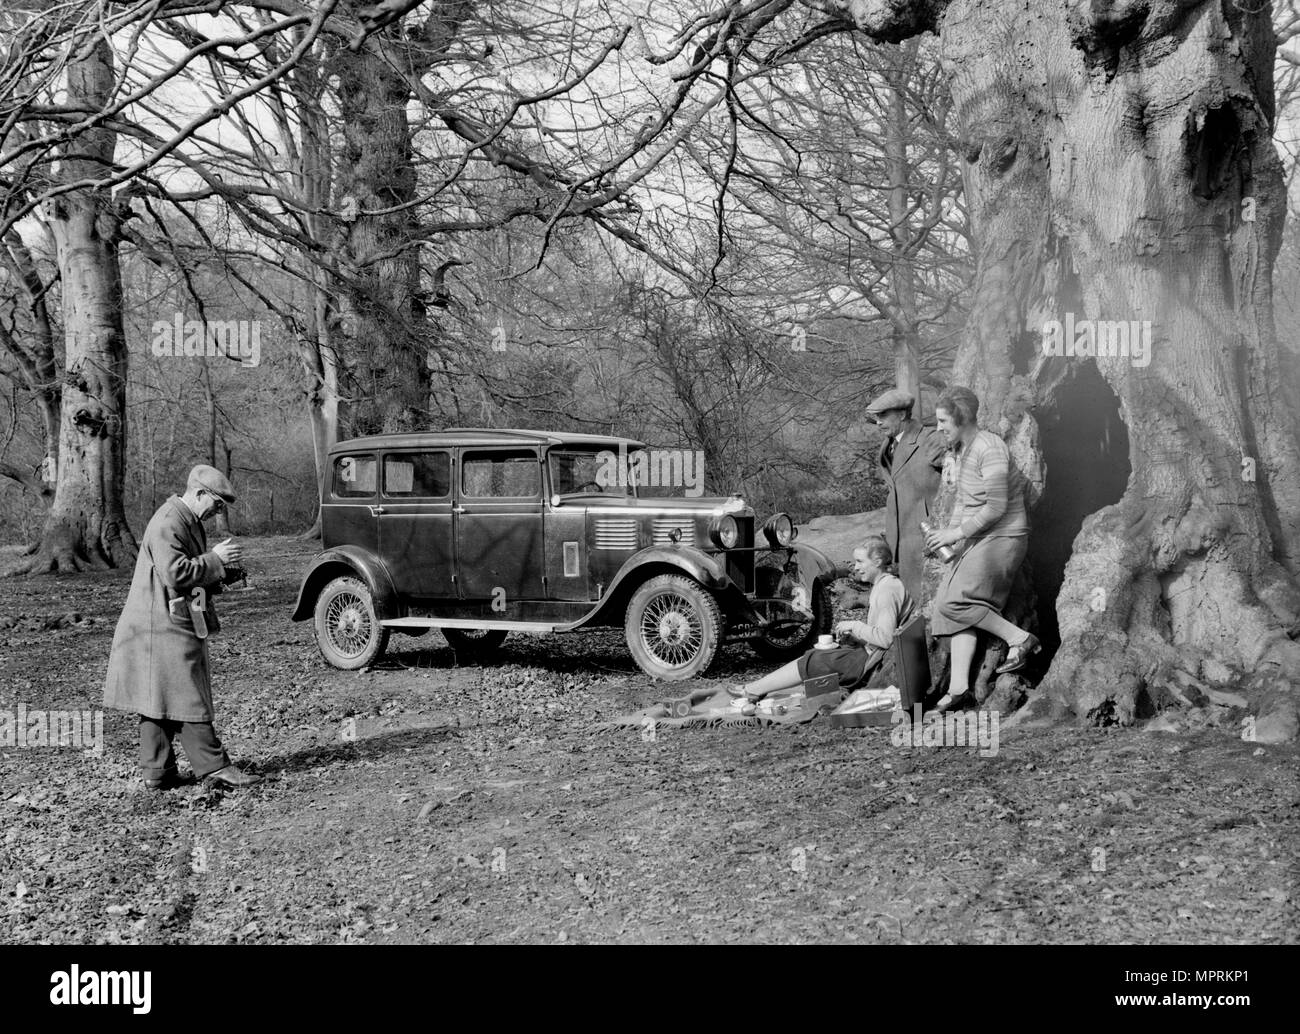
x: 853, y: 664
x: 977, y: 583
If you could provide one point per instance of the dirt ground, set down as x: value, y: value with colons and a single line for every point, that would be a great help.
x: 426, y: 802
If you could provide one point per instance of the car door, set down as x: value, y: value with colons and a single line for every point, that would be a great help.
x: 499, y: 545
x: 349, y: 503
x: 415, y: 522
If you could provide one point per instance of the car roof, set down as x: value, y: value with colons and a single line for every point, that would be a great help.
x: 483, y: 436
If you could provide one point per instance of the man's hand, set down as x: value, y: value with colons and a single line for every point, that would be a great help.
x: 229, y: 551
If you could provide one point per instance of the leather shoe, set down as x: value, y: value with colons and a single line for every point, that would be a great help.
x: 949, y: 702
x: 169, y: 780
x: 231, y: 777
x: 1019, y: 654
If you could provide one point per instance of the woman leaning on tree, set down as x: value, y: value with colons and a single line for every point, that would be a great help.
x: 989, y: 532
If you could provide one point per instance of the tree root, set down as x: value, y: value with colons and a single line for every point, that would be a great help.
x: 61, y: 551
x: 1135, y: 639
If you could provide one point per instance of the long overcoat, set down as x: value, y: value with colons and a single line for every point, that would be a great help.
x: 158, y: 667
x: 913, y: 477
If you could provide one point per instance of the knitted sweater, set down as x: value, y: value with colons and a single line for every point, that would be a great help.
x: 990, y: 491
x: 888, y: 609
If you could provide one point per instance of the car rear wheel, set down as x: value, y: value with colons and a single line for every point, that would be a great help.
x: 474, y: 642
x: 791, y: 641
x: 347, y: 631
x: 673, y: 628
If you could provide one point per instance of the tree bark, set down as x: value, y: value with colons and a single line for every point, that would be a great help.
x: 34, y: 353
x: 86, y: 525
x: 382, y: 309
x: 1120, y: 167
x: 902, y: 269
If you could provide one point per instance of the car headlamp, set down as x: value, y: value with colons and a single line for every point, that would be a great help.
x: 725, y: 532
x: 779, y: 529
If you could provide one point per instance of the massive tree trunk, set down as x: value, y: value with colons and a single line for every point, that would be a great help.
x: 87, y: 525
x: 1120, y: 167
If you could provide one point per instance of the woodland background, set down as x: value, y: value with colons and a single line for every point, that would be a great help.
x: 747, y: 295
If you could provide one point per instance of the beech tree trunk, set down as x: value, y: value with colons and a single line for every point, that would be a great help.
x: 383, y: 310
x: 902, y: 271
x: 86, y: 525
x: 1119, y: 167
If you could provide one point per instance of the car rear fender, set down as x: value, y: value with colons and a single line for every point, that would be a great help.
x: 339, y: 562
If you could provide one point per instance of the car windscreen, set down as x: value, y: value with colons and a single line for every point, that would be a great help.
x: 589, y: 472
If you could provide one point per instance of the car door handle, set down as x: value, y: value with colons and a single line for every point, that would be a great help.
x: 458, y: 509
x: 375, y: 511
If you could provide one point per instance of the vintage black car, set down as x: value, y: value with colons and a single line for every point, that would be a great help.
x: 482, y: 532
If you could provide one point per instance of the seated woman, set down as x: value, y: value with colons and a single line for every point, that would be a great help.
x: 888, y: 609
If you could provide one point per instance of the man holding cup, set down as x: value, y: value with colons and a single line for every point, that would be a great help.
x: 158, y: 667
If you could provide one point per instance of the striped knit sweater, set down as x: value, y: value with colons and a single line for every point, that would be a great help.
x: 990, y: 492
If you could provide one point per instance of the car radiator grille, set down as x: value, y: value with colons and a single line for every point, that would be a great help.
x: 663, y: 526
x: 740, y: 563
x: 616, y: 533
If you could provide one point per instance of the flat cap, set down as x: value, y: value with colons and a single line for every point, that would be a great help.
x: 894, y: 398
x: 213, y: 480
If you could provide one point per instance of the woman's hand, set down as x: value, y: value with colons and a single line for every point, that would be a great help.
x: 942, y: 537
x: 852, y: 629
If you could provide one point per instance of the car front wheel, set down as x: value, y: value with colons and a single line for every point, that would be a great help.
x: 673, y: 628
x: 347, y: 631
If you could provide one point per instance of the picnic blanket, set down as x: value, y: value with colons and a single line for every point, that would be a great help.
x: 711, y: 708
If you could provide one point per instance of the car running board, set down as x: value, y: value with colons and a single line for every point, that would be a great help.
x: 510, y: 626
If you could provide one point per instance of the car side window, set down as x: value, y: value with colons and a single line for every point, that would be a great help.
x: 500, y: 475
x: 417, y: 475
x: 355, y: 476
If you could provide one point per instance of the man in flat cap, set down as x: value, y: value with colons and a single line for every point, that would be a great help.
x: 158, y: 667
x: 911, y: 462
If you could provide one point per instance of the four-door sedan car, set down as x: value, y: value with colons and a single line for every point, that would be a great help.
x: 482, y: 532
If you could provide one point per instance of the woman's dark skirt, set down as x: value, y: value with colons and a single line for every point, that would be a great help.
x: 977, y: 583
x: 853, y: 664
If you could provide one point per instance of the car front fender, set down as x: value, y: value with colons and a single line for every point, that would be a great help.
x: 807, y: 556
x: 654, y: 560
x: 340, y: 561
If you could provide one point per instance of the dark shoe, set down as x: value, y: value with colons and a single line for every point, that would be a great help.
x: 231, y: 777
x: 948, y: 702
x: 1019, y: 654
x: 169, y: 780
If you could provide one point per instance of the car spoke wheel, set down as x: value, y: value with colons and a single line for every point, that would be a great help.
x: 347, y: 630
x: 673, y: 627
x: 790, y: 641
